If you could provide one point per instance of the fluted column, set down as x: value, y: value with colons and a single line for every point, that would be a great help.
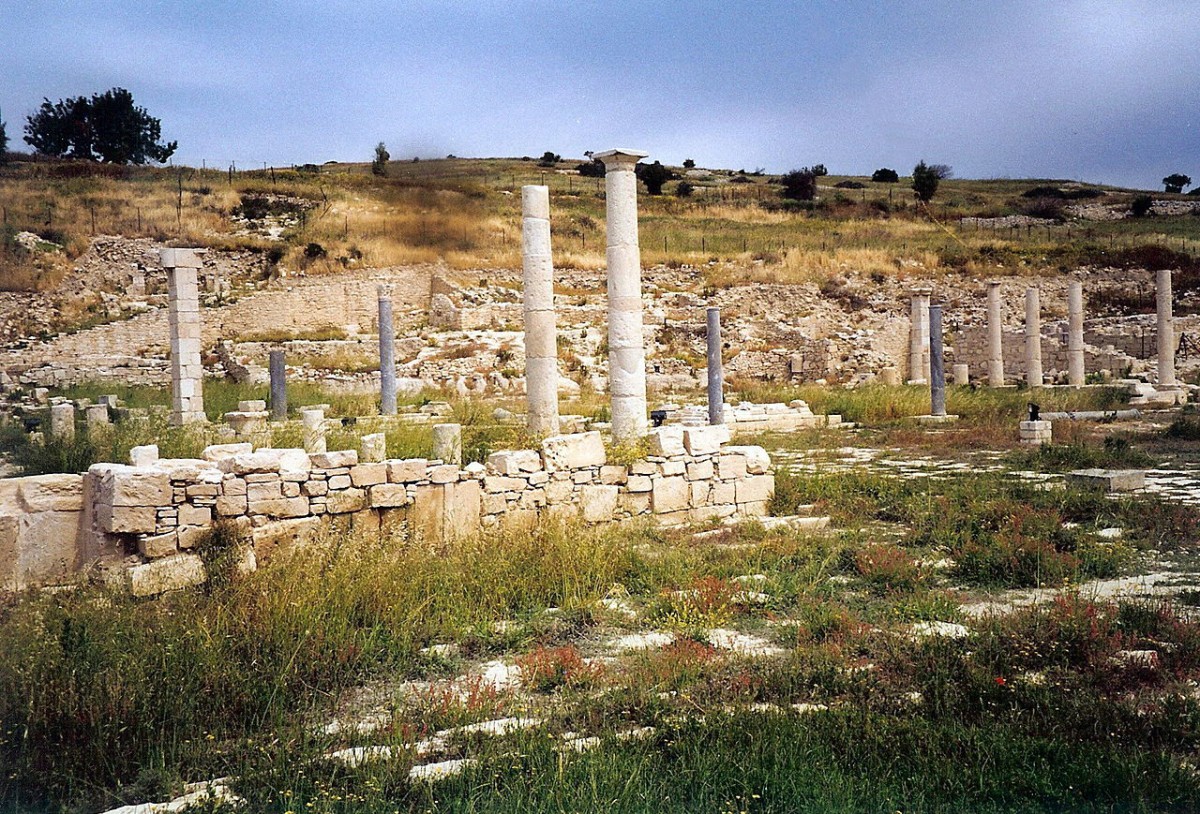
x: 541, y: 335
x: 626, y: 346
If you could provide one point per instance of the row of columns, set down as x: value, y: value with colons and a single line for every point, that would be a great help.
x: 920, y: 335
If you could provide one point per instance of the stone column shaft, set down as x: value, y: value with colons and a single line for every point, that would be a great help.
x: 313, y: 422
x: 1033, y: 337
x: 387, y: 354
x: 918, y: 359
x: 1166, y: 332
x: 626, y: 344
x: 1075, y: 369
x: 278, y: 371
x: 541, y: 332
x: 183, y: 316
x: 937, y: 368
x: 716, y: 372
x: 995, y: 335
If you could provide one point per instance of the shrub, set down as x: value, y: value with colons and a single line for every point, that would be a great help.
x: 591, y: 169
x: 885, y: 175
x: 654, y: 176
x: 888, y: 568
x: 689, y: 164
x: 926, y: 178
x: 314, y: 251
x: 850, y: 185
x: 382, y: 157
x: 548, y: 668
x: 1140, y: 206
x: 684, y: 189
x: 799, y: 185
x: 549, y: 159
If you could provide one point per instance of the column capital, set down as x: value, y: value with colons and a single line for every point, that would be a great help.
x: 181, y: 258
x: 922, y: 291
x: 994, y: 283
x: 383, y: 291
x: 620, y: 159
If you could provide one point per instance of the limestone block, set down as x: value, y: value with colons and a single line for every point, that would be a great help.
x: 263, y: 460
x: 1108, y: 480
x: 532, y: 499
x: 407, y: 471
x: 444, y: 473
x: 202, y: 490
x: 280, y: 535
x: 146, y: 455
x: 582, y: 476
x: 216, y: 452
x: 493, y: 504
x: 665, y: 441
x: 643, y: 468
x: 338, y: 482
x: 168, y: 574
x: 315, y: 488
x: 758, y: 462
x: 723, y: 493
x: 280, y: 507
x: 474, y: 470
x: 559, y: 491
x: 731, y: 467
x: 699, y: 492
x: 263, y: 491
x: 700, y: 470
x: 639, y: 483
x: 514, y: 462
x: 447, y: 442
x: 672, y: 468
x: 754, y: 488
x: 231, y: 505
x: 190, y: 515
x: 611, y: 475
x: 495, y: 484
x: 50, y: 493
x: 463, y: 508
x: 334, y: 460
x: 180, y: 258
x: 538, y: 478
x: 347, y: 500
x: 374, y: 448
x: 368, y: 474
x: 252, y: 406
x: 388, y: 496
x: 231, y: 485
x: 705, y: 440
x: 669, y: 495
x: 573, y: 451
x: 133, y: 487
x: 634, y: 503
x: 599, y: 503
x: 156, y: 546
x: 291, y: 488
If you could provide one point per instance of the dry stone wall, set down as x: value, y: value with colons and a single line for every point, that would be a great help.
x: 149, y: 519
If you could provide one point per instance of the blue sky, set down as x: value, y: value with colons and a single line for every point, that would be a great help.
x: 1096, y: 91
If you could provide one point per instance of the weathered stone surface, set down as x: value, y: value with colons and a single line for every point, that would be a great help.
x: 669, y: 495
x: 639, y: 483
x: 280, y: 507
x: 634, y: 503
x: 496, y: 483
x: 672, y: 468
x: 444, y: 473
x: 699, y: 492
x: 171, y: 573
x: 315, y: 488
x: 700, y: 470
x: 374, y: 448
x: 334, y: 460
x: 156, y: 546
x: 346, y: 500
x: 216, y: 452
x: 190, y: 515
x: 705, y: 440
x: 51, y: 493
x: 665, y: 441
x: 339, y: 482
x: 368, y: 474
x: 599, y: 503
x: 127, y: 519
x: 755, y: 489
x: 280, y: 535
x: 231, y: 505
x: 388, y: 496
x: 126, y: 486
x: 146, y: 455
x: 573, y: 451
x: 514, y: 462
x: 611, y: 475
x: 1108, y: 480
x: 407, y: 471
x: 263, y: 460
x: 758, y: 462
x: 731, y: 467
x: 263, y: 491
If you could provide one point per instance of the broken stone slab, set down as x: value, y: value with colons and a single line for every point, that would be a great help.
x: 374, y: 448
x: 216, y: 452
x: 1108, y: 480
x: 575, y: 451
x: 266, y: 460
x: 705, y: 440
x: 146, y: 455
x: 666, y: 441
x: 168, y: 574
x: 758, y: 462
x: 334, y: 460
x: 514, y: 462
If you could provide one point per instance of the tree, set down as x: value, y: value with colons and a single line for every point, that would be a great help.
x: 654, y: 176
x: 799, y: 185
x: 3, y: 141
x: 689, y: 164
x: 108, y: 127
x: 382, y: 157
x: 819, y: 170
x: 549, y: 159
x: 884, y: 175
x: 1175, y: 182
x: 926, y: 178
x: 591, y: 169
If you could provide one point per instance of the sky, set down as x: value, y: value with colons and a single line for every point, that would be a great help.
x: 1105, y: 92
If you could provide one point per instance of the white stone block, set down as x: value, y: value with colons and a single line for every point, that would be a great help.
x: 666, y: 441
x: 573, y: 451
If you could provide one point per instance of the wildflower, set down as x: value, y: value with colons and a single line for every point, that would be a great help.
x: 1000, y: 682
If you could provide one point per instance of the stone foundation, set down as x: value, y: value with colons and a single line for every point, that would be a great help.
x: 149, y: 519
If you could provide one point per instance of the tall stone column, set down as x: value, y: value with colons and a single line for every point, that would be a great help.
x: 1033, y: 337
x: 995, y: 335
x: 716, y: 373
x: 918, y: 355
x: 541, y: 333
x: 937, y: 368
x: 278, y: 371
x: 183, y: 316
x: 1075, y: 371
x: 1166, y: 332
x: 387, y: 353
x: 626, y: 346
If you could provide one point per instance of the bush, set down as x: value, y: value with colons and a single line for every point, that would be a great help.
x: 382, y: 157
x: 549, y: 159
x: 885, y: 175
x: 314, y: 251
x: 591, y: 169
x: 689, y: 164
x: 925, y: 181
x: 654, y: 176
x: 799, y: 185
x: 1140, y: 206
x: 685, y: 189
x: 850, y: 185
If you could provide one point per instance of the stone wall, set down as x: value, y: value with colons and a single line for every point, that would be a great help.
x: 149, y: 519
x: 971, y: 348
